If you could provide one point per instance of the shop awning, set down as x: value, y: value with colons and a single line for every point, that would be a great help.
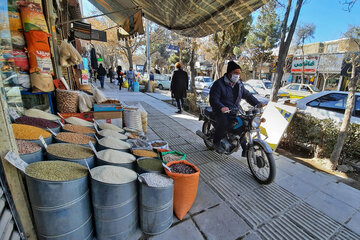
x: 191, y: 18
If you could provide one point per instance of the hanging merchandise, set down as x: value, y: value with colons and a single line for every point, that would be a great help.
x: 21, y: 60
x: 14, y: 19
x: 41, y: 82
x: 93, y: 59
x: 32, y: 17
x: 17, y: 40
x: 69, y: 55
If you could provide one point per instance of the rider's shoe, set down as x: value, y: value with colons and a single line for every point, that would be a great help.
x: 218, y: 148
x: 244, y: 153
x: 179, y: 111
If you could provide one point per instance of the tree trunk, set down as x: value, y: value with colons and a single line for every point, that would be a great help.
x: 303, y: 63
x: 219, y: 66
x: 325, y: 79
x: 261, y: 64
x: 284, y: 46
x: 192, y: 68
x: 350, y: 103
x: 254, y: 65
x: 129, y: 54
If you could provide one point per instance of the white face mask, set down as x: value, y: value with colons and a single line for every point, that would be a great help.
x: 235, y: 78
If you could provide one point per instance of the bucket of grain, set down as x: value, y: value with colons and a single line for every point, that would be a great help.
x: 116, y: 158
x: 110, y: 126
x: 112, y: 133
x: 146, y: 164
x: 113, y: 143
x: 155, y: 202
x: 29, y: 152
x: 75, y: 138
x: 79, y: 129
x: 60, y: 200
x: 114, y: 199
x: 71, y: 153
x: 31, y: 133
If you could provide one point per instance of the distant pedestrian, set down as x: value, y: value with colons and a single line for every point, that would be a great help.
x: 101, y: 74
x: 111, y: 74
x: 130, y: 76
x: 179, y: 86
x: 119, y: 76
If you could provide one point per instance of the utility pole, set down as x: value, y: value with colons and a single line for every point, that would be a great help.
x: 148, y: 52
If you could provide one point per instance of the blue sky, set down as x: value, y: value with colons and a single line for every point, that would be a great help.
x: 329, y: 17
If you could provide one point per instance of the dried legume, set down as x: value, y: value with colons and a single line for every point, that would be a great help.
x: 37, y: 122
x: 171, y: 157
x: 157, y: 180
x: 56, y: 170
x: 27, y: 132
x: 41, y: 114
x: 76, y: 138
x: 114, y: 143
x: 26, y: 147
x: 182, y: 168
x: 112, y: 133
x: 111, y: 127
x: 151, y: 164
x: 113, y: 174
x: 114, y: 156
x: 79, y: 121
x: 144, y: 153
x: 158, y: 144
x: 71, y: 151
x: 78, y: 129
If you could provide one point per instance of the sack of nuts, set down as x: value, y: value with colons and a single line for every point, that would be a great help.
x: 67, y: 101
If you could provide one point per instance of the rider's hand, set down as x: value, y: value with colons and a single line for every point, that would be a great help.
x: 224, y: 109
x: 261, y: 105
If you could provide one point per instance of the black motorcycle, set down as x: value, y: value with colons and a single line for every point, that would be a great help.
x: 245, y: 131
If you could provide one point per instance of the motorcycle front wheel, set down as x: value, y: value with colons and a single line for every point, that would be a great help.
x: 262, y: 166
x: 206, y: 129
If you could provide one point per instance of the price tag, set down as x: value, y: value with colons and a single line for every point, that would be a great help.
x: 14, y: 115
x: 93, y: 148
x: 96, y: 138
x: 43, y: 141
x: 51, y: 132
x: 16, y: 161
x: 61, y: 124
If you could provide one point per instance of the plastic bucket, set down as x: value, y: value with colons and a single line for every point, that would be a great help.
x: 115, y: 209
x: 156, y: 208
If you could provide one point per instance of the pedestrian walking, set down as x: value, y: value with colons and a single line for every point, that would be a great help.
x: 111, y: 74
x: 179, y: 86
x: 119, y: 76
x: 101, y: 74
x: 130, y: 76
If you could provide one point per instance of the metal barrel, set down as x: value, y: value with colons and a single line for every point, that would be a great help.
x: 62, y: 210
x: 89, y: 134
x: 55, y: 130
x: 102, y: 147
x: 32, y: 157
x: 156, y: 208
x: 141, y: 170
x: 90, y: 160
x: 60, y: 141
x: 48, y: 141
x: 115, y: 209
x: 130, y: 165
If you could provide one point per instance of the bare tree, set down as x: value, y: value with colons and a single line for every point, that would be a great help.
x: 285, y: 41
x: 353, y: 34
x: 304, y: 33
x: 348, y: 4
x: 194, y: 47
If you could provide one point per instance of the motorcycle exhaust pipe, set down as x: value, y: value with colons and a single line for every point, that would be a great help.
x: 201, y: 134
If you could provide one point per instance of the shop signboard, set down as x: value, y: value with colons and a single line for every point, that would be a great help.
x: 330, y: 63
x: 278, y: 117
x: 82, y: 30
x: 310, y: 64
x: 173, y: 48
x: 347, y: 66
x: 97, y: 35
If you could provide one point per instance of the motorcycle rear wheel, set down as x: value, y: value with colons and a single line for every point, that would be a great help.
x: 263, y: 167
x: 206, y: 128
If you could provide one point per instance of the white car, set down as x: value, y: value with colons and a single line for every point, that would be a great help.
x: 202, y: 82
x: 263, y: 87
x: 329, y: 105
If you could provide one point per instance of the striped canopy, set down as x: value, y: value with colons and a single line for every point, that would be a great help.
x: 191, y: 18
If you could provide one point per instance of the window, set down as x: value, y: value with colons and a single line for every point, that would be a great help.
x: 357, y: 106
x: 294, y: 87
x: 207, y: 79
x: 335, y: 102
x: 332, y: 48
x: 304, y: 88
x: 268, y: 85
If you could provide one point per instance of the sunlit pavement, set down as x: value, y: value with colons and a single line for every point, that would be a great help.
x: 302, y: 203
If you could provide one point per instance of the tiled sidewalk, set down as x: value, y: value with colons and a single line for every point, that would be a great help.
x: 300, y: 204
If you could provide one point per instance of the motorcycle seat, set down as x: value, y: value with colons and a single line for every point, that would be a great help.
x: 209, y: 112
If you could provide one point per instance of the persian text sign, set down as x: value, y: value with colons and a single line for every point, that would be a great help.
x: 310, y: 64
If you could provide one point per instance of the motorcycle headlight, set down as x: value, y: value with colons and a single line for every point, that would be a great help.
x: 256, y: 122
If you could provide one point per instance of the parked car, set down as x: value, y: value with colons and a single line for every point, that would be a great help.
x: 263, y: 87
x: 202, y: 82
x: 329, y: 105
x: 206, y: 91
x: 297, y: 90
x: 162, y: 81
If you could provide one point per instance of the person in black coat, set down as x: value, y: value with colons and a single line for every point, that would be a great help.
x: 179, y: 86
x: 119, y: 76
x: 226, y: 94
x: 111, y: 74
x: 101, y: 73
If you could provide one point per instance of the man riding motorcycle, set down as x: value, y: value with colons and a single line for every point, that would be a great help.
x: 226, y: 94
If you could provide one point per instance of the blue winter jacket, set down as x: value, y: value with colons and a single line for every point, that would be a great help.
x: 223, y: 95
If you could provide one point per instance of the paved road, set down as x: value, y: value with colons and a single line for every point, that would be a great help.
x: 302, y: 203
